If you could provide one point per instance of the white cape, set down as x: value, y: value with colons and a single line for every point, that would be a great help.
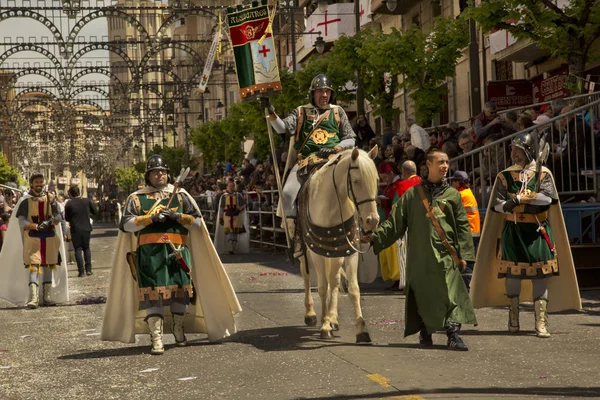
x: 216, y: 301
x: 243, y: 246
x: 14, y: 277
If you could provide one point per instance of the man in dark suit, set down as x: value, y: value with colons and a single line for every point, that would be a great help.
x: 78, y: 213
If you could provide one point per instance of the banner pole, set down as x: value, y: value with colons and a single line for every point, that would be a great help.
x: 277, y: 177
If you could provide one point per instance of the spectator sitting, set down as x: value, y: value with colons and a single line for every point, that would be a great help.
x: 364, y: 132
x: 486, y: 123
x: 433, y: 138
x: 388, y: 134
x: 509, y: 123
x: 415, y: 154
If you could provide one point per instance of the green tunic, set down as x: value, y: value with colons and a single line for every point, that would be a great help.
x: 325, y: 135
x: 525, y: 252
x: 435, y: 290
x: 161, y: 279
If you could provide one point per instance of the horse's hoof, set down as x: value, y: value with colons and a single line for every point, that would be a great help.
x: 335, y: 327
x: 326, y: 334
x: 363, y: 337
x: 311, y: 320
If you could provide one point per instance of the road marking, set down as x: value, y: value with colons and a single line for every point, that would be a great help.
x: 382, y: 380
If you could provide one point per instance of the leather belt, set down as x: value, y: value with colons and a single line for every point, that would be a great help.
x: 153, y: 238
x: 527, y: 218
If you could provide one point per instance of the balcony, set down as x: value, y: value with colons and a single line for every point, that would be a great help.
x: 505, y: 47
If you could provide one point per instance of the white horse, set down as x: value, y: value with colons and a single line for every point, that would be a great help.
x: 335, y: 207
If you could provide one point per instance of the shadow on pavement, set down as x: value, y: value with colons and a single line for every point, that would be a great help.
x: 123, y: 351
x: 128, y: 351
x: 286, y: 338
x: 571, y: 391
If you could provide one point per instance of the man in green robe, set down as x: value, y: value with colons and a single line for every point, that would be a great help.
x: 436, y: 295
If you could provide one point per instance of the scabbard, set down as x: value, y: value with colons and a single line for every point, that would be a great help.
x: 182, y: 262
x: 547, y: 238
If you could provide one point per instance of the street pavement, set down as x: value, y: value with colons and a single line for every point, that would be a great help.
x: 56, y: 352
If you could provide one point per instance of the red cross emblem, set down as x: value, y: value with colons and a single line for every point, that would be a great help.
x: 327, y: 22
x: 521, y: 217
x: 362, y: 11
x: 264, y: 50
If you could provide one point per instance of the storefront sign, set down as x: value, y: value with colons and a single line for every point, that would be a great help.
x: 510, y: 94
x: 552, y: 87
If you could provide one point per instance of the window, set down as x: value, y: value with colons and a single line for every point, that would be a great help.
x: 504, y: 70
x: 436, y: 8
x: 416, y: 20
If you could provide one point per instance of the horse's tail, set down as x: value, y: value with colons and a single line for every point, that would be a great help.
x: 344, y: 279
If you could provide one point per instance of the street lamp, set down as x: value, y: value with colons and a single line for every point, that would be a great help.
x: 322, y: 4
x: 320, y: 44
x: 219, y: 104
x: 390, y: 4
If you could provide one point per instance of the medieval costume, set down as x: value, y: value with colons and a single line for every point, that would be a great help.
x: 436, y: 296
x: 317, y: 130
x: 165, y: 241
x: 34, y: 238
x: 233, y: 224
x: 524, y: 253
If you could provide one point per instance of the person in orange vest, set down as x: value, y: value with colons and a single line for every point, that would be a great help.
x: 460, y: 181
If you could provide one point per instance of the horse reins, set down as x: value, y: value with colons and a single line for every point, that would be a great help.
x: 354, y: 201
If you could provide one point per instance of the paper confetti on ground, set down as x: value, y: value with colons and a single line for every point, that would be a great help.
x: 187, y: 378
x: 149, y: 370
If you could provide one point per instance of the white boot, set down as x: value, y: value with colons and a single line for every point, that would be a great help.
x: 541, y: 318
x: 34, y: 297
x: 47, y: 289
x: 177, y: 328
x: 155, y: 323
x: 513, y: 315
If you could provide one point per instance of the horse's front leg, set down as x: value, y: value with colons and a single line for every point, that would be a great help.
x: 334, y: 290
x: 310, y: 316
x: 362, y: 334
x: 321, y: 265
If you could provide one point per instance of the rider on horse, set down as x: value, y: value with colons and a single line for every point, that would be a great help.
x: 319, y: 129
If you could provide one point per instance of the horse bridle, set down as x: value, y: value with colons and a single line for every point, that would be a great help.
x: 352, y: 196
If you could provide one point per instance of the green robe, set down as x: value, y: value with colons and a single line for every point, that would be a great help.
x: 434, y: 285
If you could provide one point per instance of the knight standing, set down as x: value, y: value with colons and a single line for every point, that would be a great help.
x: 524, y: 212
x: 38, y: 216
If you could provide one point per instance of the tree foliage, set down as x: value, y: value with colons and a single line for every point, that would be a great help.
x: 568, y: 33
x: 423, y: 61
x: 127, y: 178
x: 7, y: 170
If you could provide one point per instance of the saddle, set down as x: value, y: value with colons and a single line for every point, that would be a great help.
x: 306, y: 165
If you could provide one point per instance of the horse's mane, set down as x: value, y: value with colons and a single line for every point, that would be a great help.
x: 365, y: 164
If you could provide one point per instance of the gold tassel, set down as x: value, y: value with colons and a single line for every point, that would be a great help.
x: 270, y: 26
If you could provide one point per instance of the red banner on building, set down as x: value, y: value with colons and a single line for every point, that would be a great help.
x: 552, y: 87
x: 510, y: 94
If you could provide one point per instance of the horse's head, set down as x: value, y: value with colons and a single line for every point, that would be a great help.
x: 360, y: 184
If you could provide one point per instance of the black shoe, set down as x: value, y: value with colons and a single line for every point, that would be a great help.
x: 394, y: 286
x: 81, y: 275
x: 89, y: 273
x: 425, y: 338
x: 456, y: 343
